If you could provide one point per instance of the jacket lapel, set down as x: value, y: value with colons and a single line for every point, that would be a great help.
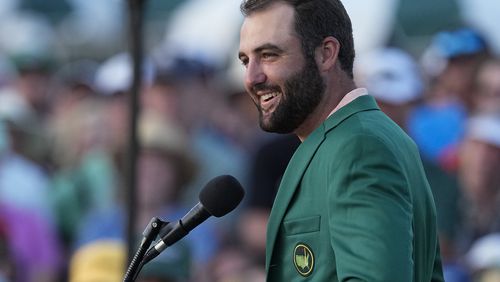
x: 299, y: 162
x: 290, y: 181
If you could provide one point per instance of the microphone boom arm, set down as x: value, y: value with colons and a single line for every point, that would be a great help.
x: 152, y: 230
x: 176, y: 231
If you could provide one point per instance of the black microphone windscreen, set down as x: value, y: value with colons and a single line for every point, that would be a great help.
x: 221, y: 195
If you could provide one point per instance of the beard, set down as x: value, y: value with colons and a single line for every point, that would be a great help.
x: 301, y: 95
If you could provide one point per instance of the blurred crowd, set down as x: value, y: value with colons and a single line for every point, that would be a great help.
x: 64, y: 129
x: 448, y: 101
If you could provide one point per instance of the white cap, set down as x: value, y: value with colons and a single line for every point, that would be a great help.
x: 390, y: 75
x: 485, y: 128
x: 485, y: 253
x: 26, y: 33
x: 115, y: 74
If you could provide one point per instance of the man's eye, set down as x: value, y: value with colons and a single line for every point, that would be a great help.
x: 244, y: 62
x: 268, y: 55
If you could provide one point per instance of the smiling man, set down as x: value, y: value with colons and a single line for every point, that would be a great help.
x: 354, y: 203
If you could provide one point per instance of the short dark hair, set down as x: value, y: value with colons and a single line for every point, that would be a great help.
x: 315, y: 20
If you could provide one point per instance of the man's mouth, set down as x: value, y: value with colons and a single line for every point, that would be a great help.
x: 268, y: 100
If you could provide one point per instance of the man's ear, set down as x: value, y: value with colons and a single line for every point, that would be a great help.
x: 327, y: 53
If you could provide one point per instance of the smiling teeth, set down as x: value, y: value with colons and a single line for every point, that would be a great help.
x: 269, y: 96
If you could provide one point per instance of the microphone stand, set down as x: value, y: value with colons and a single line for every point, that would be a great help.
x: 149, y: 235
x: 136, y: 24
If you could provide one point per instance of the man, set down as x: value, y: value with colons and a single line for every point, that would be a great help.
x: 354, y: 203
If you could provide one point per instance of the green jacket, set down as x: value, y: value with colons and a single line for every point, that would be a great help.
x: 354, y: 205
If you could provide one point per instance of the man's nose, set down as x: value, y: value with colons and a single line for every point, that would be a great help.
x: 254, y: 75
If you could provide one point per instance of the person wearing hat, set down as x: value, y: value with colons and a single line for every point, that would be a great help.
x: 104, y: 260
x: 393, y: 77
x: 164, y: 168
x: 450, y: 62
x: 479, y: 177
x: 483, y: 258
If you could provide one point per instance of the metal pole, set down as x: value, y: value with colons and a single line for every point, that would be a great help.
x: 136, y: 15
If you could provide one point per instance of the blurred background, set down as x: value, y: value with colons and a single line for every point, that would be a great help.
x: 65, y: 78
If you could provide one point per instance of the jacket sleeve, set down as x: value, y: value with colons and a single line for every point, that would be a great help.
x: 370, y: 213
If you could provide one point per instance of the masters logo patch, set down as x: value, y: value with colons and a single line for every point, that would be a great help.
x: 303, y: 259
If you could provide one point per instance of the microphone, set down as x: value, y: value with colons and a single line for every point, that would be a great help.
x: 219, y: 196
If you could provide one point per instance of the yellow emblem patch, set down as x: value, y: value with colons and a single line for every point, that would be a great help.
x: 303, y: 259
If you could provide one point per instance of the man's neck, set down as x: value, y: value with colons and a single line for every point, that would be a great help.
x: 331, y: 100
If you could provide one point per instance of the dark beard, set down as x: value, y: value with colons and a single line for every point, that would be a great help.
x: 302, y: 94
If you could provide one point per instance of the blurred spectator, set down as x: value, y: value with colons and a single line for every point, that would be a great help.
x: 73, y: 81
x: 89, y: 126
x: 179, y: 84
x: 217, y: 117
x: 487, y: 87
x: 267, y: 168
x: 86, y: 176
x: 252, y: 226
x: 33, y: 82
x: 99, y: 261
x: 26, y: 209
x: 479, y: 177
x: 27, y: 137
x: 23, y: 183
x: 392, y: 76
x: 105, y: 261
x: 28, y: 40
x: 451, y: 61
x: 32, y: 259
x: 24, y: 97
x: 165, y: 167
x: 483, y: 258
x: 163, y: 98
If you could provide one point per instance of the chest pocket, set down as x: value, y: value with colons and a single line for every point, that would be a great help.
x: 302, y: 225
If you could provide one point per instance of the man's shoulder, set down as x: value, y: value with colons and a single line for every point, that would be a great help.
x: 368, y: 129
x: 365, y: 123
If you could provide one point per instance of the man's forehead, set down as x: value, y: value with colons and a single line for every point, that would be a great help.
x: 269, y: 24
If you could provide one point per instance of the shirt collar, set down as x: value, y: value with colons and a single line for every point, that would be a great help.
x: 349, y: 97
